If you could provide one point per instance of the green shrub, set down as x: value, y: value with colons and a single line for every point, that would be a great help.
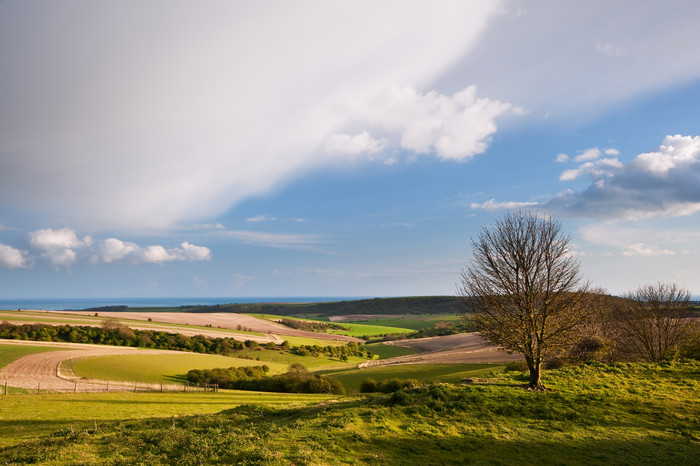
x: 516, y: 366
x: 368, y: 385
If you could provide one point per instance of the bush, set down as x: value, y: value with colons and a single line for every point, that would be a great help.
x: 516, y: 366
x: 368, y: 385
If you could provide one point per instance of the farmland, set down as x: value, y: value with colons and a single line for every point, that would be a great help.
x: 591, y: 413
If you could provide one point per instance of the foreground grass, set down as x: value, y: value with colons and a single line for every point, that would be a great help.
x: 28, y: 417
x: 623, y: 414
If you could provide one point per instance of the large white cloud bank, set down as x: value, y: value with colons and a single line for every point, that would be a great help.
x: 120, y: 116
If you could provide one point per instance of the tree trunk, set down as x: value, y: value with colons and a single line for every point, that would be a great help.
x: 535, y: 382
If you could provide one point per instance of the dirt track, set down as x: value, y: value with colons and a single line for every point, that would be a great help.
x: 42, y: 370
x: 462, y: 348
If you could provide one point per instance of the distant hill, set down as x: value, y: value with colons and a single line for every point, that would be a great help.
x: 393, y: 306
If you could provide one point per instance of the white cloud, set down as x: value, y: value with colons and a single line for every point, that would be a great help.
x: 612, y: 151
x: 13, y: 258
x: 191, y: 252
x: 561, y: 158
x: 62, y: 248
x: 353, y: 145
x: 260, y: 218
x: 58, y: 246
x: 49, y: 239
x: 241, y: 98
x: 112, y: 250
x: 665, y: 182
x: 588, y: 154
x: 492, y: 205
x: 641, y: 249
x: 453, y: 127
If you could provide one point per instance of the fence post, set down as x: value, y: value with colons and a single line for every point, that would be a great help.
x: 38, y: 387
x: 108, y: 385
x: 5, y: 388
x: 134, y: 387
x: 161, y: 386
x: 75, y: 386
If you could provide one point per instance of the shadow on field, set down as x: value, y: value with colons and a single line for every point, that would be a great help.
x: 484, y: 450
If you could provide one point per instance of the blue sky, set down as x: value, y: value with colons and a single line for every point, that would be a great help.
x: 162, y: 148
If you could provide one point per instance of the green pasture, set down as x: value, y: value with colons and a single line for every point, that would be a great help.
x: 408, y: 321
x: 425, y: 373
x: 356, y: 330
x: 285, y: 358
x: 28, y: 417
x: 593, y: 414
x: 9, y: 352
x: 154, y: 368
x: 301, y: 341
x: 390, y: 351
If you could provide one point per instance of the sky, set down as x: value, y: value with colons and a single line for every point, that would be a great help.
x: 345, y: 148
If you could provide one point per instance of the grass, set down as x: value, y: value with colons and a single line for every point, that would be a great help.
x: 595, y: 414
x: 355, y: 330
x: 426, y: 373
x: 413, y: 321
x: 9, y: 352
x: 28, y: 417
x: 155, y: 368
x: 390, y: 351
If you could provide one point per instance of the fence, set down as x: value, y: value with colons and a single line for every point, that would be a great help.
x: 111, y: 386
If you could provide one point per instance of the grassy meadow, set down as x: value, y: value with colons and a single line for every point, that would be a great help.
x: 592, y: 414
x: 424, y: 373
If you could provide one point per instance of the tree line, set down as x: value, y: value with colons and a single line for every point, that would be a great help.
x: 112, y: 332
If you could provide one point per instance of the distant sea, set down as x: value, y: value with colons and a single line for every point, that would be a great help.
x: 60, y: 304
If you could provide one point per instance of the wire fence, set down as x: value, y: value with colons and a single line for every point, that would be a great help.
x: 81, y: 386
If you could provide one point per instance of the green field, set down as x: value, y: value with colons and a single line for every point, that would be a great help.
x: 157, y: 367
x: 390, y: 351
x: 356, y: 330
x: 592, y: 414
x: 9, y: 352
x: 414, y: 321
x: 425, y: 373
x: 167, y: 368
x: 27, y: 417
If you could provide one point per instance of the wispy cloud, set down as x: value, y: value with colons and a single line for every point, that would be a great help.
x: 261, y: 218
x: 492, y: 205
x: 278, y: 240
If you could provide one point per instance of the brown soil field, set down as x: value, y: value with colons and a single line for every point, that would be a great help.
x: 42, y: 370
x: 218, y: 320
x: 462, y: 348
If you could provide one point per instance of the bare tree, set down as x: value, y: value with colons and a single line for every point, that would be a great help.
x: 523, y: 288
x: 651, y: 320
